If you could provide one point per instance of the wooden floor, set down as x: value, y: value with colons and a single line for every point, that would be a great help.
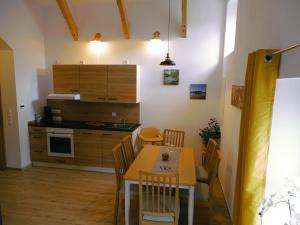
x: 47, y: 196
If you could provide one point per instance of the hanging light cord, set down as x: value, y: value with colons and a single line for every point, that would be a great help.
x: 169, y: 26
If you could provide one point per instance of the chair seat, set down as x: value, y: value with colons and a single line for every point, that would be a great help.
x: 165, y: 219
x: 201, y: 174
x: 159, y: 218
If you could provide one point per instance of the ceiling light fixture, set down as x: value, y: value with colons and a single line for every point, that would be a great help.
x: 168, y: 61
x: 156, y: 36
x: 96, y: 45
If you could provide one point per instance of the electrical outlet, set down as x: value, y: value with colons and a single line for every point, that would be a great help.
x: 56, y: 111
x: 9, y: 117
x: 113, y: 114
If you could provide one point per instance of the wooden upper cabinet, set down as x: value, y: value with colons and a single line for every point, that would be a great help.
x: 98, y: 83
x: 123, y: 83
x: 66, y: 79
x: 93, y: 83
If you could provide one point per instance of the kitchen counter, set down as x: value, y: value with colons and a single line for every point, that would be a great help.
x: 130, y: 127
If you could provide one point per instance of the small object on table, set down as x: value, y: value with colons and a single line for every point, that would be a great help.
x: 165, y: 156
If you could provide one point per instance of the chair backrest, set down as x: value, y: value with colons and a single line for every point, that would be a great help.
x: 128, y: 151
x: 149, y: 132
x: 173, y: 138
x: 211, y: 147
x: 159, y: 194
x: 120, y: 167
x: 213, y: 167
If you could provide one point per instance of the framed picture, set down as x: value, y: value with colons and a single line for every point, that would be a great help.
x: 198, y: 91
x: 237, y: 96
x: 171, y: 77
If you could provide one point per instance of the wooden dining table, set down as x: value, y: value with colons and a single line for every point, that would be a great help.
x: 145, y: 161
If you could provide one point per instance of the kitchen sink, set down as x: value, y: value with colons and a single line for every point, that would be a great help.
x: 120, y: 126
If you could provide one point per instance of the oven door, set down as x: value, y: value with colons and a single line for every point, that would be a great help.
x: 61, y: 145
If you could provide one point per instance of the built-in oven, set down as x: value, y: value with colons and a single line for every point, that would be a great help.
x: 60, y: 142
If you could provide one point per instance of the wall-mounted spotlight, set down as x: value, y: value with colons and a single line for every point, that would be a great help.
x: 155, y: 45
x: 96, y: 45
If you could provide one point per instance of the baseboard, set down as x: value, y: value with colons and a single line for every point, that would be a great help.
x: 74, y: 167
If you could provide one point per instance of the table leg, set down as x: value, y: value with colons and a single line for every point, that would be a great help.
x: 191, y: 205
x: 127, y: 202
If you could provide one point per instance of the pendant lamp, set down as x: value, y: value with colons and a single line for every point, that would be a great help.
x: 168, y: 61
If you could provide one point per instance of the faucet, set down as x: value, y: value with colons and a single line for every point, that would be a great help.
x: 124, y: 121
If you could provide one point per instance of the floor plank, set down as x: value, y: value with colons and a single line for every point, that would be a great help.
x: 48, y: 196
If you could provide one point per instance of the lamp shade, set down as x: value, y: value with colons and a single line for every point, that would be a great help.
x: 168, y: 61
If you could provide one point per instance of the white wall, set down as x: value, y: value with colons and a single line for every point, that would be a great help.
x: 197, y: 57
x: 260, y: 24
x: 21, y: 27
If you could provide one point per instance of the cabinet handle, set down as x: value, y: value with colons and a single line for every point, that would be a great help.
x: 86, y: 133
x: 37, y: 130
x: 106, y: 134
x: 101, y: 98
x: 37, y: 150
x: 112, y: 99
x: 37, y: 137
x: 73, y: 90
x: 60, y: 160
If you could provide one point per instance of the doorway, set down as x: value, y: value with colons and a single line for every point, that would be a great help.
x: 2, y: 148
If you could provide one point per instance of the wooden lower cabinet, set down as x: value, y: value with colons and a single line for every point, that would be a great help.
x: 94, y: 148
x: 108, y: 141
x: 63, y: 160
x: 91, y: 147
x: 38, y: 144
x: 87, y: 147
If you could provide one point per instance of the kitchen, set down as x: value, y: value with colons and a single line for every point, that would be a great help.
x: 92, y: 105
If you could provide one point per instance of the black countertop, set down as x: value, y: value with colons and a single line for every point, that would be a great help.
x: 129, y: 127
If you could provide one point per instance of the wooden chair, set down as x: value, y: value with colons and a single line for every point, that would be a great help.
x: 213, y: 167
x: 173, y: 138
x: 128, y: 151
x: 158, y: 205
x: 212, y: 145
x: 120, y: 170
x: 202, y: 170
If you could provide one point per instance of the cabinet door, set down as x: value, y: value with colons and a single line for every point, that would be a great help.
x: 38, y: 144
x: 122, y: 83
x: 108, y: 141
x: 93, y: 83
x: 66, y: 79
x: 87, y: 147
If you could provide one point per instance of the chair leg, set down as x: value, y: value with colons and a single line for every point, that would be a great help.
x: 116, y: 208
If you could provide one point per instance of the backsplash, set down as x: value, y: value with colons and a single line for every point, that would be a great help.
x: 89, y: 111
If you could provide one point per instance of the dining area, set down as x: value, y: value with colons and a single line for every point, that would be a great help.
x: 158, y: 175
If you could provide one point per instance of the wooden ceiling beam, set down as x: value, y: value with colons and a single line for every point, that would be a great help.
x: 184, y: 19
x: 124, y: 19
x: 63, y: 5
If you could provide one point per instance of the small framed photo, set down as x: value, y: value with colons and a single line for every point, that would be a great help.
x: 171, y: 77
x: 198, y: 91
x: 237, y: 96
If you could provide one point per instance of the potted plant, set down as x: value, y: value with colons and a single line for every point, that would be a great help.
x: 211, y: 131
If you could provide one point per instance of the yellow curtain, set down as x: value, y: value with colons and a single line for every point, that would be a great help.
x: 254, y: 139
